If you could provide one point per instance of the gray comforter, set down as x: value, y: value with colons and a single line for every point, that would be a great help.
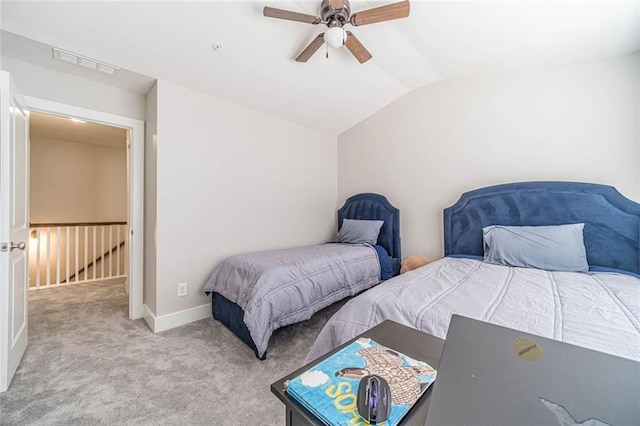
x: 599, y: 311
x: 282, y: 287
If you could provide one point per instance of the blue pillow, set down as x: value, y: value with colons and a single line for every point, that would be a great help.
x: 359, y: 231
x: 553, y: 248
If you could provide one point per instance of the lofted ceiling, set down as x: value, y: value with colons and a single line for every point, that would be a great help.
x: 256, y: 67
x: 47, y: 126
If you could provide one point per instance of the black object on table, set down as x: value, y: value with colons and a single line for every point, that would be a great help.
x: 409, y: 341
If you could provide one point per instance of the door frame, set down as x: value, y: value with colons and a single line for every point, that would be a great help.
x: 135, y: 191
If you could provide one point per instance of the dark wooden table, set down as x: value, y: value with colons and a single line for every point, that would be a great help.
x: 409, y: 341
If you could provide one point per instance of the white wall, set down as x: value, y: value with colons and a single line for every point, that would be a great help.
x: 233, y: 180
x: 77, y: 182
x: 577, y: 123
x: 45, y: 83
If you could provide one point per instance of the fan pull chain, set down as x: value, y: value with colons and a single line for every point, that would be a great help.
x: 327, y: 47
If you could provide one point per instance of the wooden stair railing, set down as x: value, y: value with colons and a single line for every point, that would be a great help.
x: 62, y: 229
x: 95, y: 260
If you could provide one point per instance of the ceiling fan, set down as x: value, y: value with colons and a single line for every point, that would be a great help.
x: 335, y: 15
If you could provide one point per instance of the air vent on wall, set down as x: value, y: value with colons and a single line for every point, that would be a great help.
x: 83, y: 61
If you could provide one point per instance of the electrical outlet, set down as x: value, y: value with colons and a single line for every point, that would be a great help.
x: 182, y: 289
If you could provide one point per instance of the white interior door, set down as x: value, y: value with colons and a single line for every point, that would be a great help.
x: 14, y: 228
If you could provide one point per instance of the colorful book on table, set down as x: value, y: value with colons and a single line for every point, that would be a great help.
x: 329, y: 389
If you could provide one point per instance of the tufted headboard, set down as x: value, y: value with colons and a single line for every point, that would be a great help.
x: 612, y: 221
x: 370, y: 206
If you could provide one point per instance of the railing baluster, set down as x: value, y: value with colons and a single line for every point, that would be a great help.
x: 58, y: 246
x: 118, y: 250
x: 93, y: 256
x: 67, y: 244
x: 85, y: 275
x: 48, y: 257
x: 38, y: 257
x: 110, y: 251
x: 76, y: 257
x: 102, y: 252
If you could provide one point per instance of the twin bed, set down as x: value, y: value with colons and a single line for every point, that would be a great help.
x: 257, y: 293
x: 598, y: 309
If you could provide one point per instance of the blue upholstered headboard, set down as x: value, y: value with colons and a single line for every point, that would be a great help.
x: 612, y: 222
x: 370, y: 206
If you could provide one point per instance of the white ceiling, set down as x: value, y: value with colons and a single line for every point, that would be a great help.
x: 445, y: 39
x: 28, y: 50
x: 47, y: 126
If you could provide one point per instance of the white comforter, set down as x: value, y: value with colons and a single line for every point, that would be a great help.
x: 600, y: 311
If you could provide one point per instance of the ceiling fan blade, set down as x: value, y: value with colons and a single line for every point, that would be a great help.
x: 380, y: 14
x: 311, y: 49
x: 272, y: 12
x: 357, y: 49
x: 336, y: 4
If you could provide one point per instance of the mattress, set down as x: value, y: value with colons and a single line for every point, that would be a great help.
x: 596, y: 310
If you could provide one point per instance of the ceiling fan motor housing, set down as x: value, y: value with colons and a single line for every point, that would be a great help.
x: 335, y: 17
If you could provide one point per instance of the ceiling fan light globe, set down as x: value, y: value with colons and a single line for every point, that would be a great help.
x: 335, y: 37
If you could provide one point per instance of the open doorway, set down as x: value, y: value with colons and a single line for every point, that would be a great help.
x: 78, y: 202
x: 134, y: 256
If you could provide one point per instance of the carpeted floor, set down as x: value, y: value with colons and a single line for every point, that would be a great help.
x: 87, y: 364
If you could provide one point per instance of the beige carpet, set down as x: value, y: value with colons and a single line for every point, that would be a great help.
x: 87, y: 364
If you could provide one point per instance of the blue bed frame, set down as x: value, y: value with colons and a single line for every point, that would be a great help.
x: 367, y: 206
x: 612, y: 221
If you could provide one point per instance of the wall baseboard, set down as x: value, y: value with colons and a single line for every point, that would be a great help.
x: 176, y: 319
x: 149, y: 317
